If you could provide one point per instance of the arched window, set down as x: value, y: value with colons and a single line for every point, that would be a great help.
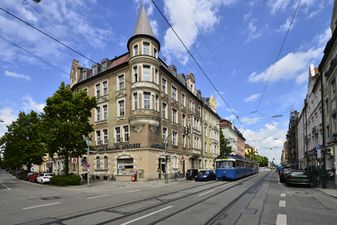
x: 124, y: 165
x: 106, y: 162
x: 98, y: 163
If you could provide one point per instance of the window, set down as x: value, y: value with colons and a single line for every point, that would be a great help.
x: 156, y: 102
x: 98, y: 90
x: 164, y: 110
x: 174, y: 93
x: 121, y: 108
x: 135, y: 101
x: 164, y: 132
x: 184, y: 119
x: 126, y: 133
x: 174, y: 116
x: 147, y: 100
x: 105, y: 88
x: 94, y: 70
x: 184, y: 141
x: 155, y: 53
x: 98, y: 137
x: 105, y: 112
x: 146, y: 73
x: 135, y: 74
x: 146, y: 48
x: 98, y: 114
x: 121, y: 82
x: 104, y: 65
x: 163, y: 85
x: 174, y: 138
x: 135, y: 50
x: 106, y: 162
x: 84, y: 75
x: 98, y: 163
x: 105, y: 136
x: 85, y: 90
x: 117, y: 134
x: 156, y: 76
x: 183, y: 99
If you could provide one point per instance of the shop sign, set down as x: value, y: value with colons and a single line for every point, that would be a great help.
x: 118, y: 147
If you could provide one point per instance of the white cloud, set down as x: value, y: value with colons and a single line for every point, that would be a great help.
x: 17, y: 75
x: 268, y: 140
x: 252, y: 31
x: 7, y: 116
x: 189, y: 18
x: 289, y: 67
x: 252, y: 98
x: 276, y: 6
x: 285, y: 26
x: 29, y: 104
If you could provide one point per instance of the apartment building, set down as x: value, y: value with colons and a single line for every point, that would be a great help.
x: 234, y: 136
x: 142, y: 103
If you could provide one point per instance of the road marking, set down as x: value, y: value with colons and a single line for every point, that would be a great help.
x: 132, y: 191
x: 98, y: 196
x: 283, y: 195
x: 282, y: 203
x: 4, y: 185
x: 205, y: 193
x: 281, y: 219
x: 150, y: 214
x: 38, y: 206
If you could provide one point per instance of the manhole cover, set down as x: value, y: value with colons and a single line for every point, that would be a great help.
x: 50, y: 198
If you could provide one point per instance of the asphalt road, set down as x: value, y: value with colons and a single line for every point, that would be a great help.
x: 259, y: 199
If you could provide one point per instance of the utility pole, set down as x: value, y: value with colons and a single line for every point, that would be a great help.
x: 87, y: 141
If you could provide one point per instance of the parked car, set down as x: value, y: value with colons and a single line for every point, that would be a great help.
x: 33, y: 177
x: 298, y: 177
x: 191, y: 173
x: 44, y: 178
x: 284, y: 173
x: 28, y: 175
x: 205, y: 175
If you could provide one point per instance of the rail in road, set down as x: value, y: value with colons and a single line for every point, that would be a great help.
x: 133, y: 211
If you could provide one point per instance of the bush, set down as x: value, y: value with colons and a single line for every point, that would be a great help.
x: 65, y: 180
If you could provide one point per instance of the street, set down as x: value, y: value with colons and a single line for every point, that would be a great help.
x: 259, y: 199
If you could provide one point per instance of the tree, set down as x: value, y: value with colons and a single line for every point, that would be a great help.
x: 225, y: 148
x: 262, y: 160
x: 251, y: 154
x: 22, y: 143
x: 66, y: 123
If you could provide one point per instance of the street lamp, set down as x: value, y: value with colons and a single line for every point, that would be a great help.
x: 88, y: 142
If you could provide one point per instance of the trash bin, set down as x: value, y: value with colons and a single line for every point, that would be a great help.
x: 134, y: 176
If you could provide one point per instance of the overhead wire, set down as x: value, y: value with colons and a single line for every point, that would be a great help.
x: 196, y: 62
x: 278, y: 56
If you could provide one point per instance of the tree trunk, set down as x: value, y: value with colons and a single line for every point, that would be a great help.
x: 66, y: 163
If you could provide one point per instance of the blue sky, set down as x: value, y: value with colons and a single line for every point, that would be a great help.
x: 235, y: 41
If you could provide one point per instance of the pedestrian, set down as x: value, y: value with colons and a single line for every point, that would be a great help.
x: 323, y: 177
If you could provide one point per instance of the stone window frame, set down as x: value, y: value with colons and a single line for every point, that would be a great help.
x: 119, y: 109
x: 121, y: 83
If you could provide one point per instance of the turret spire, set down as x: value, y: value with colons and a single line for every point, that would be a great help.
x: 143, y: 24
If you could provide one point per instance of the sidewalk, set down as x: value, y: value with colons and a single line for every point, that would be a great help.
x: 328, y: 191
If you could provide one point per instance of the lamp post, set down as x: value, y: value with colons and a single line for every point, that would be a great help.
x: 88, y: 142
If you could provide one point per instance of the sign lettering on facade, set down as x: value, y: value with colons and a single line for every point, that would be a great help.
x: 118, y: 147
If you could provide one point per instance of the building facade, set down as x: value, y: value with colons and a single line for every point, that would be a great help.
x: 328, y: 72
x: 143, y: 103
x: 292, y: 148
x: 234, y: 136
x: 309, y: 127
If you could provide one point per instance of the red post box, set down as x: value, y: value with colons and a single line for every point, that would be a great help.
x: 134, y: 176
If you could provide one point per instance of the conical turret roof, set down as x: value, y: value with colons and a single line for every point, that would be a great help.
x: 143, y: 24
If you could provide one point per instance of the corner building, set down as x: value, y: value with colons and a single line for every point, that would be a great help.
x: 140, y: 102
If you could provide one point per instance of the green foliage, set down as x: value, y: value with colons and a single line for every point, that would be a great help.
x: 66, y: 123
x: 262, y: 160
x: 22, y: 144
x: 65, y: 180
x: 225, y: 148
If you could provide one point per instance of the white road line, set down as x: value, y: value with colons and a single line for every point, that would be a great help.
x: 150, y: 214
x: 132, y: 191
x: 205, y: 193
x: 283, y: 195
x: 282, y: 203
x: 38, y: 206
x: 281, y: 219
x: 4, y: 185
x: 98, y: 196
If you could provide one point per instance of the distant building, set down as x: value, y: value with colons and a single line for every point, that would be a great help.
x: 141, y: 102
x: 234, y: 136
x: 292, y: 148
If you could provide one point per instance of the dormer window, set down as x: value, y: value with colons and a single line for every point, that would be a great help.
x: 104, y: 65
x: 146, y: 48
x: 84, y: 74
x: 135, y: 50
x: 94, y: 70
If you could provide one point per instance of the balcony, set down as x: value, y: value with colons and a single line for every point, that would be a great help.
x: 141, y: 117
x: 145, y: 84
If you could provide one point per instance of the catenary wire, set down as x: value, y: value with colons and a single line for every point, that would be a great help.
x: 278, y: 56
x: 196, y: 62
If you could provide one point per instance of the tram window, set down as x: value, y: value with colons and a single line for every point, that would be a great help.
x: 224, y: 164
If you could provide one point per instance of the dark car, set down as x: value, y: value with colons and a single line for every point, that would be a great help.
x: 205, y: 175
x: 191, y: 173
x: 298, y: 177
x: 284, y: 173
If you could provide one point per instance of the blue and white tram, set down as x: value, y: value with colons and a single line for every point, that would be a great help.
x: 235, y: 167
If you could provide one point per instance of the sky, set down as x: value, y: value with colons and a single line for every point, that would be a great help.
x: 236, y: 42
